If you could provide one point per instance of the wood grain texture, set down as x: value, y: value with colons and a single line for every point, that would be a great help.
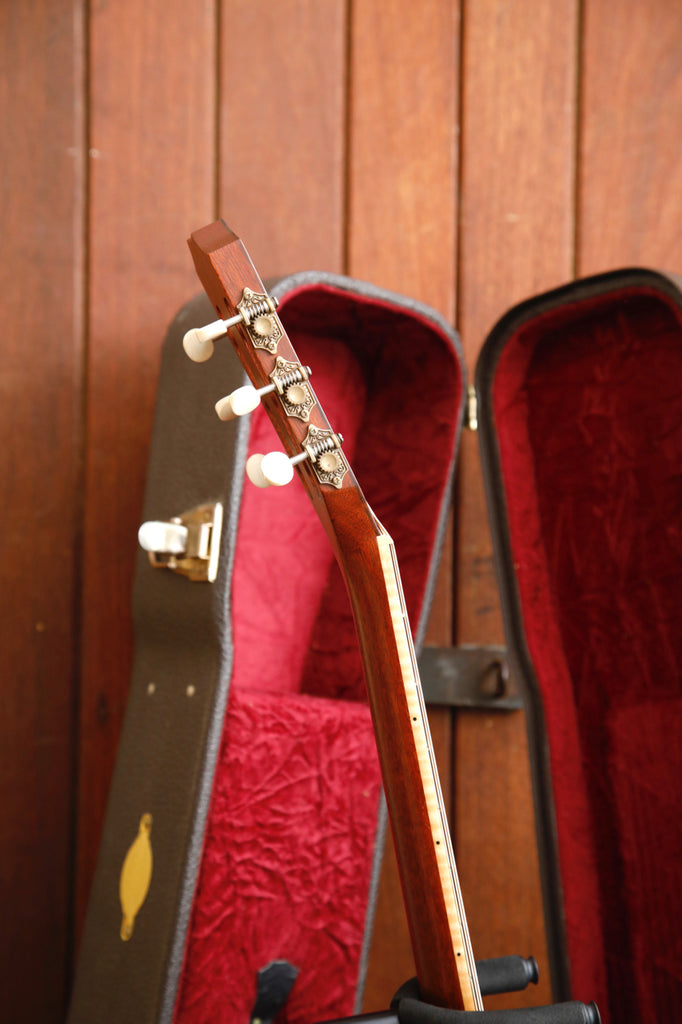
x: 518, y: 157
x: 630, y: 173
x: 402, y: 174
x: 402, y: 213
x: 152, y: 181
x: 41, y: 285
x: 282, y: 131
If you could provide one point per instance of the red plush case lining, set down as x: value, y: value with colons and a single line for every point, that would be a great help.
x: 587, y: 403
x: 292, y: 824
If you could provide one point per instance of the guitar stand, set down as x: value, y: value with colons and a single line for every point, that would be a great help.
x: 504, y: 974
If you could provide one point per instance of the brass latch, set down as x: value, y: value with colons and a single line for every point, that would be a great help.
x: 188, y: 544
x: 471, y: 419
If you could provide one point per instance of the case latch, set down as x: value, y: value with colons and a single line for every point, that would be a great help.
x: 472, y: 408
x: 188, y: 544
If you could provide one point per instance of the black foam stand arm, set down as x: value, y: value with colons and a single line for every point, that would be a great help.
x: 413, y: 1011
x: 506, y: 974
x: 503, y: 974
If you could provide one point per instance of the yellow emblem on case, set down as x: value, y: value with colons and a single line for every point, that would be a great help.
x: 136, y: 874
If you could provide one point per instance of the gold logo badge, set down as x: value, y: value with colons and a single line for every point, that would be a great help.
x: 136, y: 875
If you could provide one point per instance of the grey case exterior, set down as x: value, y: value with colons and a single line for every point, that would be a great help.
x: 169, y: 741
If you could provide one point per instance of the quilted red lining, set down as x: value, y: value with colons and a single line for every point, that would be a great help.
x: 291, y: 830
x: 588, y: 414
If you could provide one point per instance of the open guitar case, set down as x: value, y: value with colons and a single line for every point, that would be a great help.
x: 245, y: 822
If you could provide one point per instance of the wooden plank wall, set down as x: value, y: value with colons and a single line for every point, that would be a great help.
x: 465, y: 152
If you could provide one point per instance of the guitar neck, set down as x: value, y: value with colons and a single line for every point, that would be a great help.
x: 436, y: 919
x: 435, y: 912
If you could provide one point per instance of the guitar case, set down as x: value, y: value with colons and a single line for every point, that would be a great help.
x: 247, y: 761
x: 580, y: 416
x: 245, y: 822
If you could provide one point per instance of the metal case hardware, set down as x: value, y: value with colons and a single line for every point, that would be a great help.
x: 199, y: 560
x: 471, y: 420
x: 468, y: 677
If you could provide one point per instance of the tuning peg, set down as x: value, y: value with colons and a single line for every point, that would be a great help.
x: 275, y: 469
x: 198, y: 342
x: 286, y: 380
x: 241, y: 401
x: 163, y: 538
x: 254, y: 310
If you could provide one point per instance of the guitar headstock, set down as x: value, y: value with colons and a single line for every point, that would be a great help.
x: 248, y: 316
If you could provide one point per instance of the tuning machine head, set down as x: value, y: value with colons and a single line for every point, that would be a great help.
x: 242, y: 401
x: 198, y: 342
x: 275, y: 469
x: 289, y: 380
x: 254, y: 311
x: 321, y: 447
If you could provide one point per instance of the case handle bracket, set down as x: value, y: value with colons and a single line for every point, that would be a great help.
x: 469, y: 676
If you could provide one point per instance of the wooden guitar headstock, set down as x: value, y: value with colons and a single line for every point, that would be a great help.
x: 310, y: 443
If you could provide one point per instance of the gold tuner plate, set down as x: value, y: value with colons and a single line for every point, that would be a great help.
x: 323, y: 448
x: 199, y: 560
x: 291, y: 382
x: 258, y: 313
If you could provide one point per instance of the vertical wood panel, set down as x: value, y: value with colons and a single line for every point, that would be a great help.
x: 41, y: 270
x: 519, y: 66
x: 402, y: 180
x: 630, y: 170
x: 282, y: 131
x: 402, y: 175
x: 152, y: 182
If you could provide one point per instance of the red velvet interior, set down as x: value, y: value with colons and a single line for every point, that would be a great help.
x: 291, y: 831
x: 588, y: 413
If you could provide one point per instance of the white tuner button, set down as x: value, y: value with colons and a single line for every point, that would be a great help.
x: 198, y: 342
x: 247, y: 398
x: 254, y: 472
x: 277, y: 469
x: 272, y: 470
x: 241, y: 401
x: 163, y: 538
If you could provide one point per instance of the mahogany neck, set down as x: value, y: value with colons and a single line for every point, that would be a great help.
x: 435, y: 911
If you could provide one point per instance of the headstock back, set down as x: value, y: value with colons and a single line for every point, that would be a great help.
x: 311, y: 444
